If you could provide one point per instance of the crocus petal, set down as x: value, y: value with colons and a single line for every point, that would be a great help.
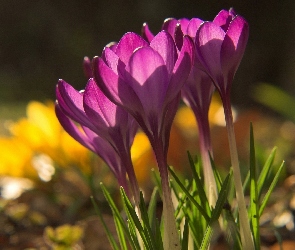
x: 87, y: 67
x: 115, y: 88
x: 111, y: 59
x: 208, y: 47
x: 197, y: 91
x: 169, y: 25
x: 193, y: 27
x: 181, y: 69
x: 128, y: 43
x: 164, y: 44
x: 223, y: 19
x: 168, y: 119
x: 146, y: 33
x: 184, y: 22
x: 100, y: 110
x: 112, y: 46
x: 233, y: 46
x: 71, y: 103
x: 148, y: 77
x: 104, y: 150
x: 71, y: 128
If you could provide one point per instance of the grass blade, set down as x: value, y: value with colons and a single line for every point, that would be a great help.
x: 271, y: 188
x: 185, y: 234
x: 119, y: 222
x: 265, y: 171
x: 108, y: 233
x: 200, y: 208
x: 254, y: 200
x: 222, y: 198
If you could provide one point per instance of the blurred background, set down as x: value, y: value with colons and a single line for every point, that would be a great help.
x: 44, y: 40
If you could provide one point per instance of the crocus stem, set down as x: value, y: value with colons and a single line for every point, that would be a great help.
x: 132, y: 179
x: 171, y: 238
x: 246, y: 236
x: 205, y: 149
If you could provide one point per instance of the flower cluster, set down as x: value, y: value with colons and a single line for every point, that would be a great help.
x: 139, y: 81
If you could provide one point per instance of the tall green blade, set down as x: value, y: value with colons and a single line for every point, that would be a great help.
x: 254, y: 200
x: 108, y: 233
x: 271, y: 188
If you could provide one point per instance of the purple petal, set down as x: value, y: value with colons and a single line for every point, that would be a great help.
x: 181, y: 69
x: 99, y: 109
x: 209, y: 40
x: 71, y: 103
x: 71, y: 128
x: 128, y: 43
x: 115, y: 88
x: 197, y: 91
x: 233, y: 46
x: 168, y: 120
x: 193, y: 27
x: 146, y: 33
x: 148, y: 77
x: 104, y: 150
x: 184, y: 22
x: 87, y: 67
x: 223, y: 19
x: 111, y: 59
x: 169, y: 25
x: 163, y: 43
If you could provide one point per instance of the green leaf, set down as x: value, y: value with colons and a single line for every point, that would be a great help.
x: 271, y: 188
x: 119, y: 222
x: 222, y: 198
x: 216, y: 174
x: 265, y: 171
x: 133, y: 235
x: 200, y: 188
x: 152, y: 207
x: 120, y: 233
x: 157, y: 180
x: 185, y: 235
x: 246, y: 181
x: 254, y: 200
x: 200, y: 208
x: 144, y: 228
x: 109, y: 234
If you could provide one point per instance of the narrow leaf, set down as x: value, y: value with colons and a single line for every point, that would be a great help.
x: 200, y: 208
x: 271, y: 188
x: 254, y: 201
x: 108, y: 233
x: 265, y: 171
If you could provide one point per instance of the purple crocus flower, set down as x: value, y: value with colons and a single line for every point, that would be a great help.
x: 196, y: 93
x: 107, y: 129
x: 220, y: 46
x: 145, y: 78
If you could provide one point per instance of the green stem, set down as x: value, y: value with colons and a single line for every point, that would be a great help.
x: 205, y: 149
x: 246, y: 236
x: 171, y: 238
x: 132, y: 179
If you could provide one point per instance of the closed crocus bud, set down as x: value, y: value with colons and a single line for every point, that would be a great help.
x: 107, y: 129
x: 220, y: 46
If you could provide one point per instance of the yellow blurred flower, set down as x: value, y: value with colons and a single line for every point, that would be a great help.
x: 142, y: 158
x: 15, y: 158
x: 41, y: 131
